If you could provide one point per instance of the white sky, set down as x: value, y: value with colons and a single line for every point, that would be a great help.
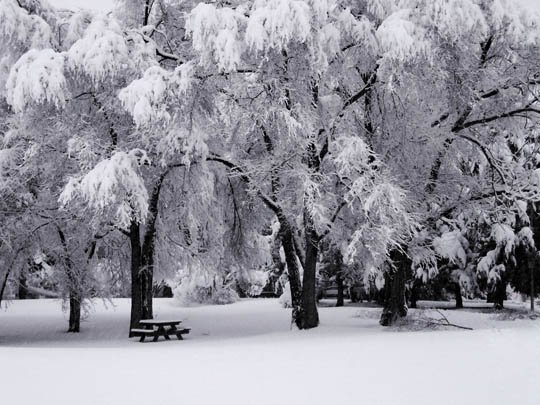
x: 107, y: 5
x: 104, y: 5
x: 531, y: 3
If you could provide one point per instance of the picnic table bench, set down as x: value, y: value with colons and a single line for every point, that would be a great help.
x: 156, y: 328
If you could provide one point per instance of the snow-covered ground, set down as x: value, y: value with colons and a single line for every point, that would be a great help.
x: 246, y: 353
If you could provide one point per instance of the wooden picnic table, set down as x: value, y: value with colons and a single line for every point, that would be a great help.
x: 157, y: 327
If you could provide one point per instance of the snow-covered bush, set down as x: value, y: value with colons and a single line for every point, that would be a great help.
x: 187, y: 294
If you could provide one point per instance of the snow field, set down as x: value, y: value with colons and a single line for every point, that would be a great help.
x: 245, y: 353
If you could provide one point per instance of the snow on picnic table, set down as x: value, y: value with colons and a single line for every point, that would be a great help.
x: 246, y: 353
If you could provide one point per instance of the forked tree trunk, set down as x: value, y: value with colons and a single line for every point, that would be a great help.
x: 143, y: 259
x: 293, y: 271
x: 395, y: 305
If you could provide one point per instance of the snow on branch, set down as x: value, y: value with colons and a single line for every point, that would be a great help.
x: 451, y: 245
x: 215, y: 35
x: 17, y: 25
x: 37, y: 77
x: 113, y: 187
x: 102, y: 52
x: 401, y: 39
x: 146, y: 98
x: 275, y: 23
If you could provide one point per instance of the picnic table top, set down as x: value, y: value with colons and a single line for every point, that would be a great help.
x: 160, y: 322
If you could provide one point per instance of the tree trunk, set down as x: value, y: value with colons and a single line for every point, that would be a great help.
x: 309, y: 287
x: 499, y: 294
x: 395, y: 305
x: 22, y: 292
x: 147, y: 264
x: 3, y: 287
x: 148, y: 249
x: 339, y: 281
x: 136, y: 279
x: 459, y: 298
x: 74, y: 312
x: 293, y: 271
x: 75, y: 296
x: 532, y: 268
x: 414, y: 293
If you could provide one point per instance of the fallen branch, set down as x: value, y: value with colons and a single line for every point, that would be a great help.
x: 443, y: 321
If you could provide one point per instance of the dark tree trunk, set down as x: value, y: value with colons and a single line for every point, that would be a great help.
x: 339, y: 281
x: 395, y: 305
x: 499, y: 294
x: 74, y: 313
x: 459, y: 298
x: 22, y: 292
x: 136, y: 276
x: 3, y: 287
x: 534, y: 214
x: 287, y: 241
x: 148, y: 249
x: 415, y: 287
x: 75, y: 296
x: 532, y: 268
x: 309, y: 287
x: 8, y: 272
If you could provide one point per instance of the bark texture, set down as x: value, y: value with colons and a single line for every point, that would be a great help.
x: 309, y: 290
x: 395, y: 305
x: 75, y: 296
x: 287, y: 241
x: 136, y: 276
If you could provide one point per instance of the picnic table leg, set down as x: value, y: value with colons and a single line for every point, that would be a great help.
x: 178, y: 335
x: 165, y: 334
x: 142, y: 338
x: 157, y: 333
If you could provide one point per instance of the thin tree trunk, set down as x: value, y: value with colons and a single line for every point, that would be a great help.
x: 75, y: 296
x: 22, y: 292
x: 339, y: 281
x: 459, y: 298
x: 4, y: 283
x: 532, y: 268
x: 8, y: 272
